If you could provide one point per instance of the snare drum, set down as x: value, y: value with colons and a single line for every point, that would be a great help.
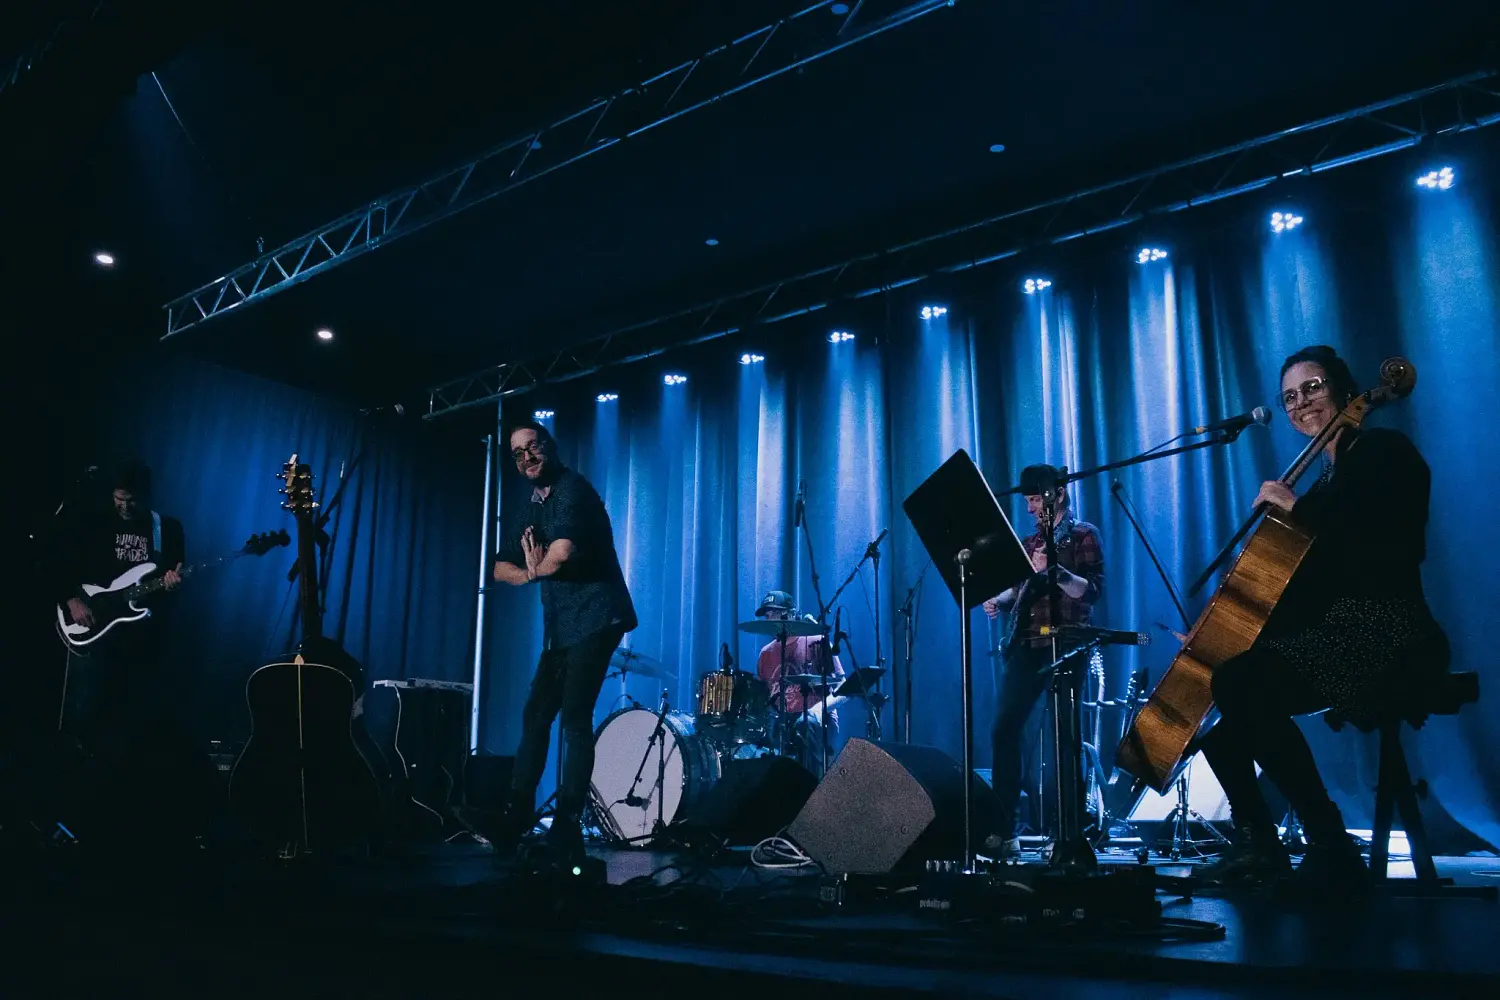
x: 627, y: 764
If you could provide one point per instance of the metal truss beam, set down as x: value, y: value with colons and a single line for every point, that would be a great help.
x: 805, y: 37
x: 1339, y: 140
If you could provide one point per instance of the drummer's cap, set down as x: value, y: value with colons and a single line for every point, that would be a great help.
x: 1035, y: 479
x: 775, y: 600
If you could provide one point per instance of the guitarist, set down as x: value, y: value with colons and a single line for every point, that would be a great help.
x: 114, y: 692
x: 1025, y: 651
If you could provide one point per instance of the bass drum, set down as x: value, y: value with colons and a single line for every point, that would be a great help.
x: 627, y: 763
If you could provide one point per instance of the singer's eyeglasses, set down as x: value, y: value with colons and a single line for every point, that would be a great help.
x: 534, y: 449
x: 1313, y: 388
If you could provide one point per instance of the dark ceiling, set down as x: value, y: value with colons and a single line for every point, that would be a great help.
x: 296, y: 114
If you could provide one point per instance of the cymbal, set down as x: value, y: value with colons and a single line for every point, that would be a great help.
x: 763, y: 626
x: 628, y: 661
x: 808, y: 680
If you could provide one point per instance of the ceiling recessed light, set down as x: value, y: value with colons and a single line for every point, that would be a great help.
x: 104, y: 259
x: 998, y: 147
x: 325, y: 334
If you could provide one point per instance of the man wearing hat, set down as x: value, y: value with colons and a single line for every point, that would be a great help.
x: 804, y: 655
x: 1078, y: 579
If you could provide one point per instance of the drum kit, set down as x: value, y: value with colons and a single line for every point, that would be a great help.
x: 652, y: 767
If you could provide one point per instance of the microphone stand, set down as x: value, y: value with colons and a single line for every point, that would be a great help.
x: 1071, y: 852
x: 908, y: 613
x: 872, y: 553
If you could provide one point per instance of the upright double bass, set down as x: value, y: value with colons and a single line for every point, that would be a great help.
x: 1155, y: 747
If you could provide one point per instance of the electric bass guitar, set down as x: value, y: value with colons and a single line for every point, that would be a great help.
x: 117, y: 603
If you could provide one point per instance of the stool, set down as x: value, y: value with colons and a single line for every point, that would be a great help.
x: 1445, y: 694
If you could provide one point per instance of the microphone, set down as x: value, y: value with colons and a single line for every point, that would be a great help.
x: 872, y: 551
x: 1260, y: 415
x: 1108, y: 636
x: 838, y: 615
x: 801, y: 504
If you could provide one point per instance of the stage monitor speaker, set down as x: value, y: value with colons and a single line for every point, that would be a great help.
x: 752, y: 800
x: 889, y: 806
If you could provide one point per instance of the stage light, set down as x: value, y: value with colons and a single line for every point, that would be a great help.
x: 932, y: 312
x: 674, y: 379
x: 840, y: 337
x: 1149, y: 254
x: 1282, y: 222
x: 839, y: 9
x: 1034, y: 285
x: 751, y: 359
x: 104, y: 259
x: 998, y: 147
x: 710, y: 242
x: 606, y: 397
x: 1437, y: 180
x: 325, y: 334
x: 542, y: 414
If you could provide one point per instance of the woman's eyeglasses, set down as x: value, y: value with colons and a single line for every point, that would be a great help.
x: 1313, y: 388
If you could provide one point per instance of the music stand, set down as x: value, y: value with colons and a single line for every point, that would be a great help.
x: 977, y: 553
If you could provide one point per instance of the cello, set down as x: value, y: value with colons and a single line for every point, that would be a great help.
x: 1156, y: 744
x: 302, y: 780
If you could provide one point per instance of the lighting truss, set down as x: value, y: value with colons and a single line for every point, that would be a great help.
x: 1460, y: 105
x: 764, y: 54
x: 64, y: 32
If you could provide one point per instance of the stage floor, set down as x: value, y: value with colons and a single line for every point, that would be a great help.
x: 448, y: 921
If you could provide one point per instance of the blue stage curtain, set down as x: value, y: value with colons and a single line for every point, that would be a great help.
x: 1114, y: 358
x: 403, y: 561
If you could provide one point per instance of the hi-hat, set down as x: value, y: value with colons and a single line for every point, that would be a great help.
x: 628, y: 661
x: 765, y: 626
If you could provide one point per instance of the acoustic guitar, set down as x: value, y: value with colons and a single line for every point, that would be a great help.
x: 302, y: 780
x: 1155, y: 747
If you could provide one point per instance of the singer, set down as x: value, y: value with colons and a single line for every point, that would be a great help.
x: 562, y: 541
x: 1025, y: 651
x: 1351, y: 632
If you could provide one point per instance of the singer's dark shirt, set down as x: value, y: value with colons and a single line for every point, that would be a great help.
x: 588, y: 594
x: 1081, y: 553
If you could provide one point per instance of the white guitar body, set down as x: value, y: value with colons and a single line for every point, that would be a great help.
x: 107, y: 613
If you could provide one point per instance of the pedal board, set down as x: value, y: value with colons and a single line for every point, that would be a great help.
x: 1036, y: 896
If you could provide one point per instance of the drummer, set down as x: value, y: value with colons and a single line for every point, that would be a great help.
x: 804, y: 655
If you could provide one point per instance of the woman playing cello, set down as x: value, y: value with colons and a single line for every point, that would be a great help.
x: 1349, y: 629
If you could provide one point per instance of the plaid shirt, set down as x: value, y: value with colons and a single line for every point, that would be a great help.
x: 1080, y: 552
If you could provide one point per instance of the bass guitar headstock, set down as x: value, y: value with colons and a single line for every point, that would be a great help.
x: 297, y: 479
x: 259, y: 545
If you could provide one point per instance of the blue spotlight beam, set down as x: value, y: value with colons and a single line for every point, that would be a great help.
x: 805, y: 37
x: 1459, y: 105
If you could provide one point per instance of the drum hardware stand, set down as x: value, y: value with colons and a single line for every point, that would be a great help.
x: 1294, y: 838
x: 1181, y: 815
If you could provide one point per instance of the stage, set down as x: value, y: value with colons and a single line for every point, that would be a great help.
x: 449, y: 921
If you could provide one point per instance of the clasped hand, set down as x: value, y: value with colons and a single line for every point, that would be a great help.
x: 534, y: 551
